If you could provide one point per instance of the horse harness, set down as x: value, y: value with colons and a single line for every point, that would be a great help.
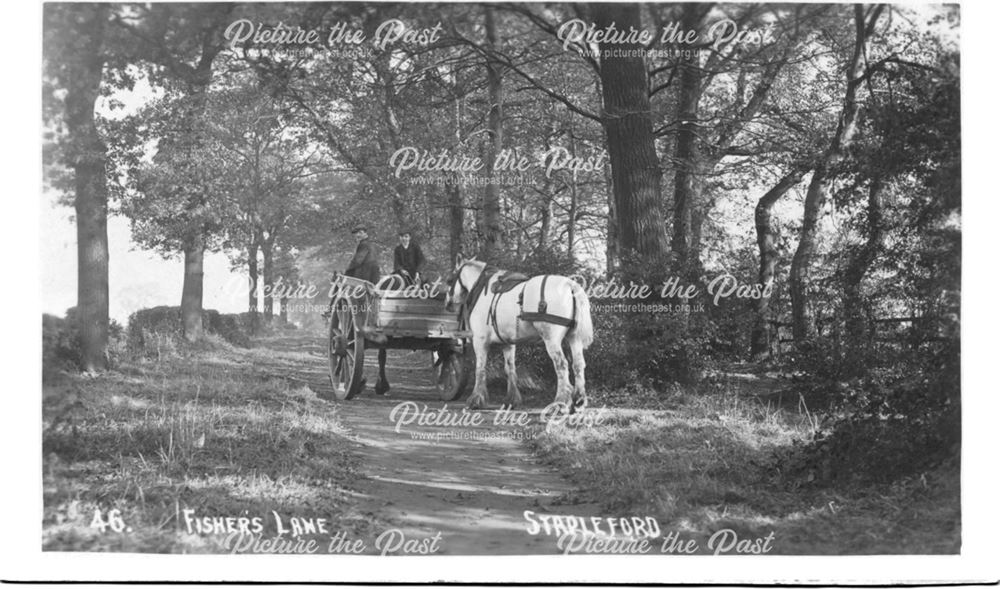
x: 506, y: 282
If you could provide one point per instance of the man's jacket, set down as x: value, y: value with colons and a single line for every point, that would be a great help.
x: 364, y: 264
x: 410, y: 259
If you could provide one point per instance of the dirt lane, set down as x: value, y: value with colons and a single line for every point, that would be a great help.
x: 470, y: 483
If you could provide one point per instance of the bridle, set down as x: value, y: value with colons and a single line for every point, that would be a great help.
x: 456, y: 276
x: 477, y: 287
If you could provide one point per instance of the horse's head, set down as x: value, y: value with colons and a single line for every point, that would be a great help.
x: 461, y: 280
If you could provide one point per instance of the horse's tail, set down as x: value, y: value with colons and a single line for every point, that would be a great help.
x: 584, y: 328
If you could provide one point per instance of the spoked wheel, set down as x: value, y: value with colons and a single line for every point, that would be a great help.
x: 453, y: 379
x: 346, y: 351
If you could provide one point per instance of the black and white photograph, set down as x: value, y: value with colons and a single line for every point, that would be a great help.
x: 646, y: 281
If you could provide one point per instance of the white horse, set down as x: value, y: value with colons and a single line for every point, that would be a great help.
x: 515, y: 317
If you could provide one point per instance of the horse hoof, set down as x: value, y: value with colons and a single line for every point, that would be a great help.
x: 381, y: 388
x: 476, y: 403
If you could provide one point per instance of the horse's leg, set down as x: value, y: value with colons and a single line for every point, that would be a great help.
x: 478, y: 398
x: 554, y: 347
x: 510, y: 367
x: 579, y: 367
x: 382, y: 386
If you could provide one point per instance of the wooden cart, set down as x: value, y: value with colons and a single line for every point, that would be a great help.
x: 363, y: 316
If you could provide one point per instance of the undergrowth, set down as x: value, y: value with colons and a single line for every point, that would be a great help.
x: 203, y: 432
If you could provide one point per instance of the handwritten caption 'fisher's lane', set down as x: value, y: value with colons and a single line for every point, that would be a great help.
x: 636, y: 535
x: 275, y: 533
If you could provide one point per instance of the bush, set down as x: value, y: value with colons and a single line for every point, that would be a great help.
x: 160, y: 330
x: 60, y: 344
x: 546, y: 260
x: 62, y: 348
x: 889, y: 424
x: 826, y: 359
x: 231, y: 328
x: 668, y: 351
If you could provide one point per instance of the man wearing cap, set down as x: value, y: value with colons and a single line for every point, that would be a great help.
x: 364, y: 264
x: 407, y: 259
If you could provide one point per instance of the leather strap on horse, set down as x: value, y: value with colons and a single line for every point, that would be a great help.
x: 480, y: 285
x: 491, y: 317
x: 474, y: 293
x: 543, y: 315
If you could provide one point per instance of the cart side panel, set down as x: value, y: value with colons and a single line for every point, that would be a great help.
x: 399, y: 316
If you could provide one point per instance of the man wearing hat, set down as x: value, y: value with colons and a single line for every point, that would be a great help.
x: 407, y: 259
x: 364, y: 264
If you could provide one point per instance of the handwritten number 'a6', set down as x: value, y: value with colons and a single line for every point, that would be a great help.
x: 114, y: 522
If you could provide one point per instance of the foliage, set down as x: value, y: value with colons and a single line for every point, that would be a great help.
x: 892, y: 423
x: 668, y: 353
x: 151, y: 332
x: 61, y: 345
x: 544, y: 260
x: 182, y: 191
x: 824, y: 359
x: 894, y: 386
x: 699, y: 461
x: 190, y: 432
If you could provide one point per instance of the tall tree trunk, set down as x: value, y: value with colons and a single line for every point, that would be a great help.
x: 612, y: 259
x: 688, y: 177
x: 545, y: 226
x: 767, y: 237
x: 267, y: 248
x: 196, y: 79
x: 573, y: 204
x: 519, y: 223
x: 574, y: 200
x: 456, y: 220
x: 803, y: 314
x: 492, y: 229
x: 400, y: 199
x: 456, y: 209
x: 192, y: 295
x: 283, y: 313
x: 86, y: 157
x: 192, y: 300
x: 855, y: 317
x: 628, y: 126
x: 253, y: 294
x: 91, y: 206
x: 800, y: 274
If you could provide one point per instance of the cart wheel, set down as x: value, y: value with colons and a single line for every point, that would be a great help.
x: 453, y: 380
x: 346, y: 351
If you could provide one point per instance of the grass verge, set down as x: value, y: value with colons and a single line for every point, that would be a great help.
x: 156, y: 445
x: 701, y: 461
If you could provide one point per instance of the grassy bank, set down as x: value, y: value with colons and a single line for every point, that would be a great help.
x: 704, y: 460
x: 201, y: 431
